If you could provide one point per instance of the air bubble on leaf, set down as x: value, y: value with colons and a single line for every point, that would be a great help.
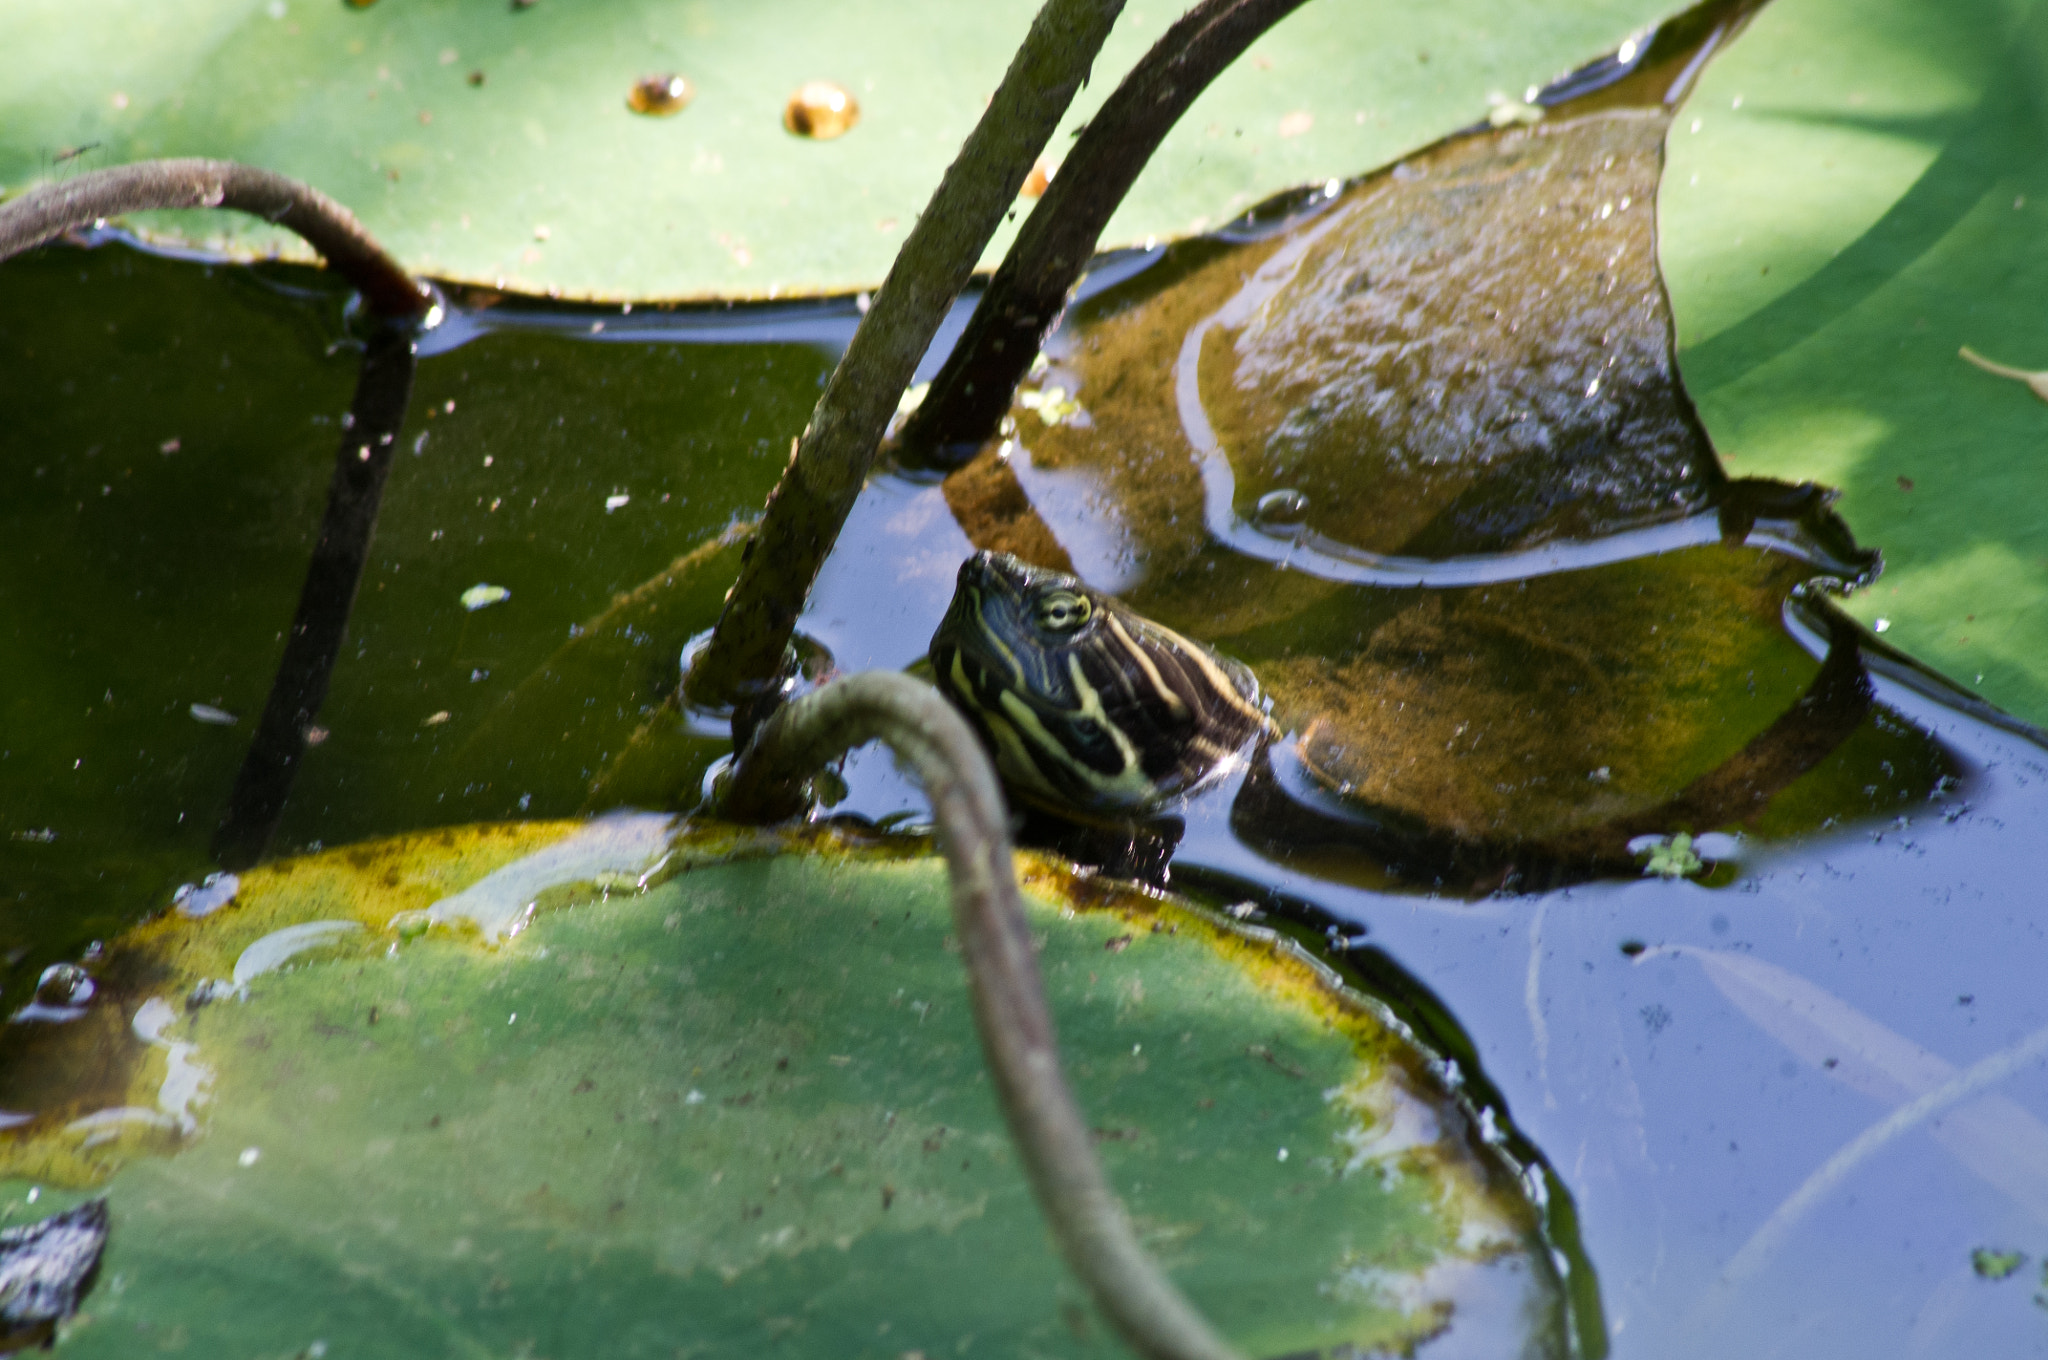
x: 1280, y: 509
x: 410, y: 925
x: 659, y: 96
x: 65, y: 985
x: 821, y: 111
x: 207, y: 896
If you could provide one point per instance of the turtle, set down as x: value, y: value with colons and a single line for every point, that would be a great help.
x: 1088, y: 707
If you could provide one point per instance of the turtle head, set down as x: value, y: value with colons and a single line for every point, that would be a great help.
x: 1086, y: 706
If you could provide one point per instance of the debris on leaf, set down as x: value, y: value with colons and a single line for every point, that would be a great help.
x: 1996, y: 1265
x: 1053, y: 404
x: 213, y: 717
x: 1670, y: 858
x: 45, y: 1268
x: 482, y: 596
x: 2037, y: 383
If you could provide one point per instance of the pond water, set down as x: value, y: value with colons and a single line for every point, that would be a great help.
x: 1780, y: 1106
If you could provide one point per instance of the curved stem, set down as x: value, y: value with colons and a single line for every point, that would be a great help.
x: 53, y: 209
x: 1029, y: 289
x: 928, y: 735
x: 831, y: 459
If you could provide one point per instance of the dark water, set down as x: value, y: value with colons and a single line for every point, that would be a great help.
x: 1783, y: 1108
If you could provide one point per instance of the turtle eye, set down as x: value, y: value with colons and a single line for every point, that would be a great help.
x: 1062, y: 611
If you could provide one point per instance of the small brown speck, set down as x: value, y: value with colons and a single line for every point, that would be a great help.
x: 821, y: 111
x: 1905, y: 483
x: 659, y: 96
x: 476, y: 78
x: 888, y: 1196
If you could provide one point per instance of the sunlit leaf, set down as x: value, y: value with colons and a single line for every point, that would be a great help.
x: 492, y: 142
x: 1854, y: 194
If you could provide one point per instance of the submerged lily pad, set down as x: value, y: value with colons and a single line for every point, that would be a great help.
x: 494, y: 144
x: 744, y: 1109
x: 1854, y: 195
x: 1419, y: 456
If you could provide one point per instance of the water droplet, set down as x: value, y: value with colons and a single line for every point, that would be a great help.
x: 249, y: 1156
x: 1280, y: 509
x: 821, y: 111
x: 64, y: 984
x: 207, y: 896
x: 660, y: 95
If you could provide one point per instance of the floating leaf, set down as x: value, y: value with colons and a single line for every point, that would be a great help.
x: 1854, y: 195
x: 455, y: 129
x: 1996, y: 1265
x: 744, y: 1109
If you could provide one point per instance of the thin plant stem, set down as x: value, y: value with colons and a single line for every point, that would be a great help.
x: 830, y: 461
x: 355, y: 490
x: 972, y: 392
x: 1088, y: 1223
x: 47, y: 212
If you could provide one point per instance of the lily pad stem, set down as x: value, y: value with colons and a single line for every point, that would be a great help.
x: 972, y: 392
x: 1017, y: 1040
x: 830, y: 461
x: 50, y: 210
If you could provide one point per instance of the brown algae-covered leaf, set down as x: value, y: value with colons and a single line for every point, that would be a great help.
x: 1526, y: 710
x: 1484, y: 318
x: 1468, y: 353
x: 1455, y: 374
x: 746, y: 1109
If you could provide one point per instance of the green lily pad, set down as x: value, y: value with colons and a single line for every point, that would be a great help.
x: 744, y: 1109
x: 1852, y: 195
x: 539, y: 178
